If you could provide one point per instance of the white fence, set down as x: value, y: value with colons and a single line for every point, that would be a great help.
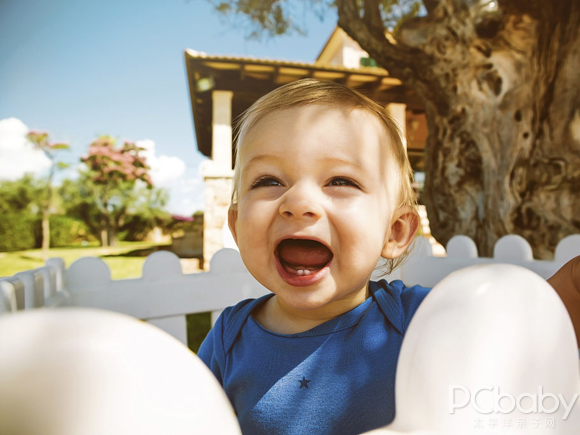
x: 163, y: 295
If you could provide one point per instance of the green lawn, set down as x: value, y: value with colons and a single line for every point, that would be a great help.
x: 125, y: 260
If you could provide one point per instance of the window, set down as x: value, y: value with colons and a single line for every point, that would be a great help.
x: 368, y: 61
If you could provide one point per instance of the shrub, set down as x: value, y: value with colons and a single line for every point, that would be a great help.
x: 20, y: 231
x: 66, y: 231
x: 17, y: 231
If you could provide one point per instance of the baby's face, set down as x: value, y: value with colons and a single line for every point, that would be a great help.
x: 316, y: 201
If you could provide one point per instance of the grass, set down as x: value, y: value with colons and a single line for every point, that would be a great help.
x: 125, y: 260
x: 198, y: 325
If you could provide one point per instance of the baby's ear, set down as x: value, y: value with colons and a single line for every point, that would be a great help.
x: 403, y: 230
x: 232, y: 219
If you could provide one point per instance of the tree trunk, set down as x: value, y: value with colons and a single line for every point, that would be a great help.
x: 108, y: 235
x: 105, y: 221
x: 112, y: 236
x: 502, y: 99
x: 45, y: 233
x: 46, y: 206
x: 505, y: 158
x: 104, y: 238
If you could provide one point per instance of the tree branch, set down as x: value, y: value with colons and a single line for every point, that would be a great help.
x: 430, y: 5
x: 535, y: 8
x: 393, y: 57
x: 372, y: 18
x: 412, y: 63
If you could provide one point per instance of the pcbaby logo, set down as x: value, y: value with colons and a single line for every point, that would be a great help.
x: 536, y: 405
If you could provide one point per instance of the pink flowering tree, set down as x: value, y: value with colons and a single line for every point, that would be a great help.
x: 113, y: 173
x: 41, y: 141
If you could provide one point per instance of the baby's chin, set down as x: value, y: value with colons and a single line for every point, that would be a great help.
x: 323, y: 302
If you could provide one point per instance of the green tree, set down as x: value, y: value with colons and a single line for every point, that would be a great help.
x: 77, y: 200
x: 19, y: 211
x: 500, y: 85
x: 41, y: 140
x: 21, y: 223
x: 20, y: 196
x: 113, y: 173
x: 142, y: 210
x: 146, y: 213
x: 114, y: 192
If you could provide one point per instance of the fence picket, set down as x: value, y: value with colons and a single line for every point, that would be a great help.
x: 567, y: 248
x: 512, y: 247
x: 87, y: 273
x: 33, y: 288
x: 8, y: 296
x: 461, y: 247
x: 162, y: 265
x: 58, y: 266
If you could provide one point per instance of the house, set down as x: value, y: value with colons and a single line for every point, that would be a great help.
x: 222, y: 87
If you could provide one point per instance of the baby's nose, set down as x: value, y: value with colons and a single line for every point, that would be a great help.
x: 300, y: 203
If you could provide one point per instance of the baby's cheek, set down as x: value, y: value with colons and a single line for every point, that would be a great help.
x: 255, y: 209
x: 364, y: 218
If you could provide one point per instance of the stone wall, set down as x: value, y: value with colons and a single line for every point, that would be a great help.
x: 218, y: 192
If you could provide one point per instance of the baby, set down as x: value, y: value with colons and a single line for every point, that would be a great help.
x: 322, y: 192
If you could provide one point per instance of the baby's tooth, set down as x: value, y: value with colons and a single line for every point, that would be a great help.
x: 302, y: 270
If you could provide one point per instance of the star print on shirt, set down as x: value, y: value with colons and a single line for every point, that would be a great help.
x: 303, y: 383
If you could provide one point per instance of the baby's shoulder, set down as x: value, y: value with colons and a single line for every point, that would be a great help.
x: 241, y: 310
x: 231, y: 320
x: 398, y: 301
x: 398, y: 288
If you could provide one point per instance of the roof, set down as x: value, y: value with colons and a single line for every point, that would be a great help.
x: 249, y: 78
x: 332, y: 44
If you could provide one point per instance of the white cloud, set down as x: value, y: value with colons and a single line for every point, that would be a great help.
x: 187, y: 194
x: 17, y: 155
x: 164, y: 169
x: 188, y: 185
x: 185, y: 184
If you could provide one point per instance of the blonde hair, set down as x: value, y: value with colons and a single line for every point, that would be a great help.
x: 317, y: 92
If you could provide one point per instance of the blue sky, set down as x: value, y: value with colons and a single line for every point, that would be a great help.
x: 77, y: 69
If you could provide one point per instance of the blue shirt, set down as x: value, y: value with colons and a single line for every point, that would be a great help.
x: 337, y: 378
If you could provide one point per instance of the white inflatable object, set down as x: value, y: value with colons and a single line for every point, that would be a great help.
x: 88, y: 372
x: 481, y: 330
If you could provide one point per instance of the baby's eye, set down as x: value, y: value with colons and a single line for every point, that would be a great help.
x: 266, y: 181
x: 342, y: 181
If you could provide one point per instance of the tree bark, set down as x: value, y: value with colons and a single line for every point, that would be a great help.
x: 112, y: 236
x: 104, y: 238
x: 45, y: 233
x: 502, y: 100
x: 46, y: 206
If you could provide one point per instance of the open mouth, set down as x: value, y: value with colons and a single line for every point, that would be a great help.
x: 302, y: 259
